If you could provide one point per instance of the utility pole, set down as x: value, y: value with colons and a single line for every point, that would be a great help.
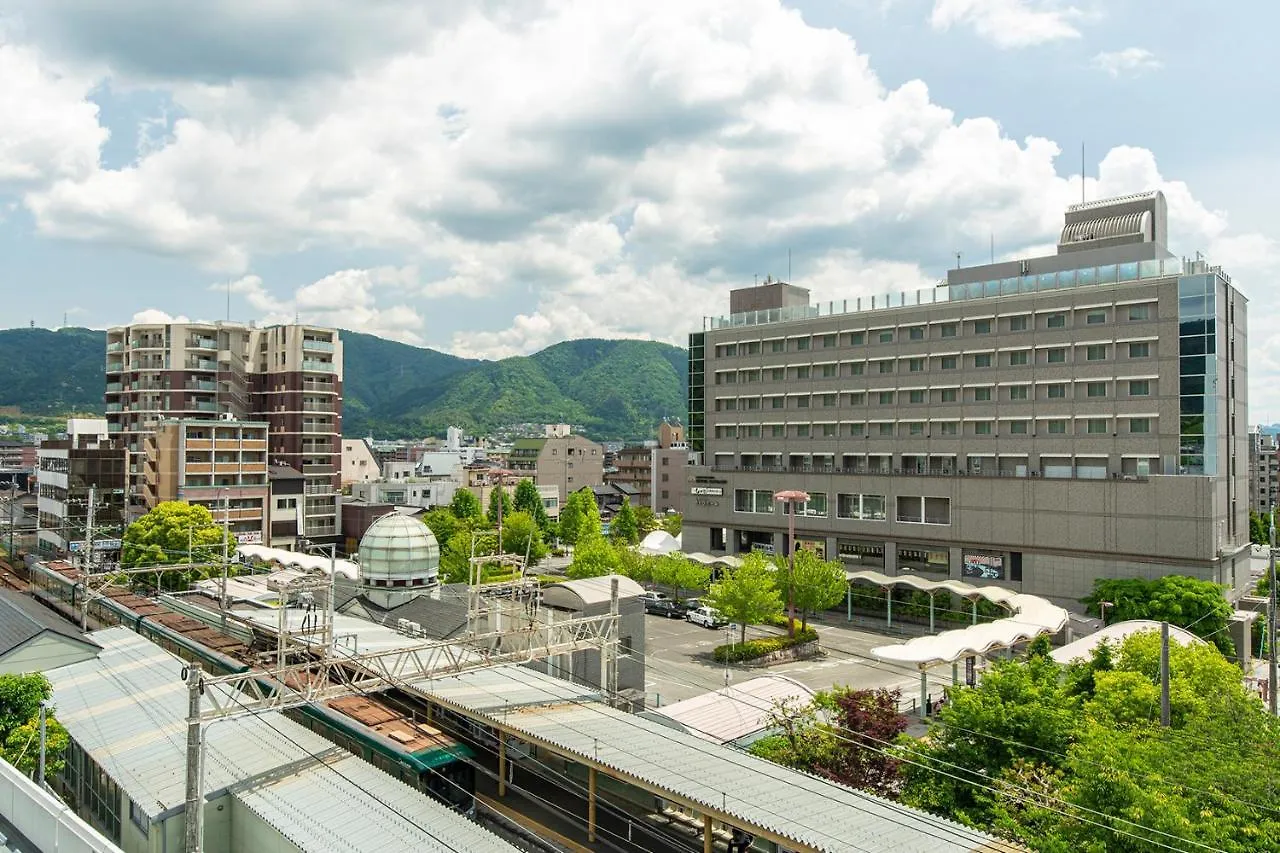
x: 86, y: 566
x: 194, y: 818
x: 611, y: 650
x: 331, y: 645
x: 1164, y: 674
x: 226, y: 535
x: 1271, y: 618
x: 13, y: 499
x: 790, y: 498
x: 44, y: 713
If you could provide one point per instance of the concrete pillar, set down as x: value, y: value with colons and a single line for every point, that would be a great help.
x: 955, y: 673
x: 706, y: 833
x: 924, y: 693
x: 591, y: 804
x: 891, y: 558
x: 930, y: 612
x: 975, y: 611
x: 502, y: 765
x: 888, y: 607
x: 848, y: 602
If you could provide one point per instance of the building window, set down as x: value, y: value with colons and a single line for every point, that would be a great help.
x: 1095, y: 318
x: 916, y: 396
x: 886, y: 367
x: 982, y: 359
x: 778, y: 430
x: 802, y: 430
x: 1139, y: 425
x: 802, y: 344
x: 728, y: 349
x: 1139, y: 387
x: 949, y: 330
x: 1096, y: 389
x: 915, y: 428
x: 1057, y: 426
x: 1017, y: 324
x: 830, y: 399
x: 777, y: 346
x: 886, y: 429
x: 1139, y: 312
x: 801, y: 372
x: 1017, y: 392
x: 949, y: 362
x: 1095, y: 352
x: 982, y: 395
x: 949, y: 395
x: 886, y: 398
x: 857, y: 338
x: 1057, y: 391
x: 857, y: 398
x: 1056, y: 321
x: 915, y: 365
x: 948, y: 428
x: 753, y: 347
x: 829, y: 371
x: 1096, y: 426
x: 982, y: 327
x: 1019, y: 358
x: 982, y: 427
x: 860, y: 507
x: 916, y: 333
x: 886, y: 336
x: 857, y: 429
x: 1056, y: 355
x: 802, y: 402
x: 1017, y: 427
x: 777, y: 402
x: 1140, y: 350
x: 828, y: 430
x: 924, y: 510
x: 828, y: 341
x: 856, y: 368
x: 752, y: 500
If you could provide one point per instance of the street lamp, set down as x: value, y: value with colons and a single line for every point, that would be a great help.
x: 791, y: 497
x: 1102, y: 606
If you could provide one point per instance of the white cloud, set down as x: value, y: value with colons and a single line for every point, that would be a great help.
x: 1131, y: 60
x: 48, y: 129
x: 1008, y: 23
x: 155, y: 315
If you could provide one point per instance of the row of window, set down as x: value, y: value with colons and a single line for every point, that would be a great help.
x: 1134, y: 425
x: 1086, y: 390
x: 952, y: 329
x: 1093, y: 352
x: 913, y: 509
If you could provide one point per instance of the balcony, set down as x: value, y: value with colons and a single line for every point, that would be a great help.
x: 317, y: 469
x: 202, y: 343
x: 866, y: 470
x: 318, y: 489
x: 201, y: 385
x: 203, y: 407
x: 317, y: 366
x: 321, y: 428
x: 115, y: 346
x: 114, y: 388
x: 114, y: 365
x: 319, y: 346
x: 113, y: 407
x: 201, y: 364
x: 316, y: 387
x: 309, y: 406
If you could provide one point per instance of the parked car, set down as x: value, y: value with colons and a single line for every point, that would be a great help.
x: 691, y: 604
x: 653, y: 595
x: 707, y: 617
x: 664, y: 607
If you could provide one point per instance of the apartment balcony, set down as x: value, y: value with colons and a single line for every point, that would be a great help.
x: 317, y: 469
x: 114, y: 365
x: 115, y: 346
x: 113, y: 407
x: 318, y: 489
x: 114, y: 388
x: 202, y: 343
x: 203, y: 407
x: 319, y: 346
x: 309, y: 406
x: 321, y: 428
x: 201, y: 385
x: 313, y: 366
x: 198, y: 468
x: 148, y: 343
x: 315, y: 530
x: 313, y: 387
x: 113, y: 427
x: 201, y: 364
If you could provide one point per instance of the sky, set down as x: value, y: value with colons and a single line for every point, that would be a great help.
x: 490, y: 177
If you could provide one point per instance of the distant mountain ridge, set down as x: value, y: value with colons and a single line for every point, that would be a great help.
x: 615, y: 389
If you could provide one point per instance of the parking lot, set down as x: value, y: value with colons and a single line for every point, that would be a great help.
x: 680, y: 666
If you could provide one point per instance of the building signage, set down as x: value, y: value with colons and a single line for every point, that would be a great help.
x: 970, y: 671
x: 711, y: 491
x: 984, y: 566
x: 98, y: 545
x: 817, y: 546
x: 253, y: 537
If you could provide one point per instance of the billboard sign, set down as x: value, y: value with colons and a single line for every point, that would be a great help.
x: 707, y: 491
x: 983, y: 566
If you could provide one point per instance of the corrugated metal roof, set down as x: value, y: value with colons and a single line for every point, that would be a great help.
x: 794, y: 805
x: 22, y: 619
x: 733, y: 712
x: 128, y: 707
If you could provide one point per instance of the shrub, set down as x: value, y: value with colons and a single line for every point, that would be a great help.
x: 752, y: 649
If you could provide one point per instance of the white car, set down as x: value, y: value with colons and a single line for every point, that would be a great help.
x: 653, y: 595
x: 707, y: 617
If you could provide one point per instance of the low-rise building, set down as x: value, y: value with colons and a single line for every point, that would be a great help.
x: 569, y: 462
x: 1264, y: 471
x: 87, y: 463
x: 359, y: 464
x: 287, y: 489
x: 655, y: 470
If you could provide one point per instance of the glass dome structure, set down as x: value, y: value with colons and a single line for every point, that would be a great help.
x: 399, y: 556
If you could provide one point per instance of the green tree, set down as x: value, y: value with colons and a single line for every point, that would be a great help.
x: 748, y: 594
x: 639, y: 567
x: 466, y: 506
x: 20, y: 698
x: 646, y: 521
x: 673, y: 523
x: 593, y: 558
x: 520, y: 535
x: 528, y: 500
x: 1191, y: 603
x: 443, y: 524
x: 499, y: 497
x: 816, y: 584
x: 456, y: 555
x: 589, y: 527
x: 173, y: 533
x: 571, y: 518
x: 624, y: 528
x: 1259, y: 528
x: 678, y: 572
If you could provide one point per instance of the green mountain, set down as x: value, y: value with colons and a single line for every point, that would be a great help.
x: 614, y: 389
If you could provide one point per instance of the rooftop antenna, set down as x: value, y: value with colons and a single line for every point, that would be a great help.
x: 1082, y: 172
x: 228, y: 299
x: 788, y: 263
x: 993, y: 247
x: 957, y: 260
x: 756, y: 279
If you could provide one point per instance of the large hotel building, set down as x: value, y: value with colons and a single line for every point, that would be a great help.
x: 1036, y: 423
x: 288, y: 378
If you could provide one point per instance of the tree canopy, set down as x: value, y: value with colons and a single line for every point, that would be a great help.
x: 455, y: 556
x: 466, y: 506
x: 521, y: 535
x: 172, y: 533
x: 646, y: 521
x: 593, y: 558
x: 678, y: 572
x: 624, y: 528
x: 20, y: 698
x: 443, y: 524
x: 748, y: 594
x: 1187, y: 602
x: 816, y: 584
x: 499, y: 497
x: 527, y: 499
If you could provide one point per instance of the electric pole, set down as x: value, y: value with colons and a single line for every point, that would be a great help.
x: 1164, y: 674
x: 611, y: 648
x: 44, y: 713
x: 194, y: 818
x: 1271, y: 618
x: 226, y: 534
x: 86, y: 566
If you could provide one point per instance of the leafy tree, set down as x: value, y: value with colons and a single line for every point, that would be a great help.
x: 20, y: 698
x: 1188, y: 602
x: 443, y: 524
x: 646, y: 521
x: 624, y: 528
x: 590, y: 526
x: 680, y: 573
x: 673, y: 523
x: 867, y: 721
x: 466, y: 506
x: 528, y: 500
x: 455, y: 556
x: 175, y: 532
x: 1259, y: 528
x: 639, y: 567
x: 499, y: 497
x: 571, y: 518
x: 816, y: 583
x: 748, y: 594
x: 520, y: 535
x: 593, y: 558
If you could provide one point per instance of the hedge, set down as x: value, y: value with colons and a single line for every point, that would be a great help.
x: 752, y: 649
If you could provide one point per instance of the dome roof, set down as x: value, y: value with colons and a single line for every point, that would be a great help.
x: 399, y: 551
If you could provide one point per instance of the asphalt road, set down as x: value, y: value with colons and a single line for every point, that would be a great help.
x: 679, y: 664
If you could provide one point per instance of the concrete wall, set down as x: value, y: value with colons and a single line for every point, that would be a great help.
x: 44, y: 820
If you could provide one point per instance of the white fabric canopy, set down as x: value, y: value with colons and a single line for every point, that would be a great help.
x: 1031, y: 616
x: 657, y: 543
x: 306, y: 562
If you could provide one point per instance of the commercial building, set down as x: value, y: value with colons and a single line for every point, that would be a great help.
x: 288, y: 376
x: 1038, y: 423
x: 359, y: 465
x: 656, y: 471
x: 70, y: 470
x: 220, y: 465
x: 564, y: 460
x: 1264, y: 471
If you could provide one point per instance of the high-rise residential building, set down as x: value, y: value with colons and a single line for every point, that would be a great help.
x: 1038, y: 423
x: 1264, y: 472
x: 288, y: 376
x: 218, y: 464
x: 82, y: 490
